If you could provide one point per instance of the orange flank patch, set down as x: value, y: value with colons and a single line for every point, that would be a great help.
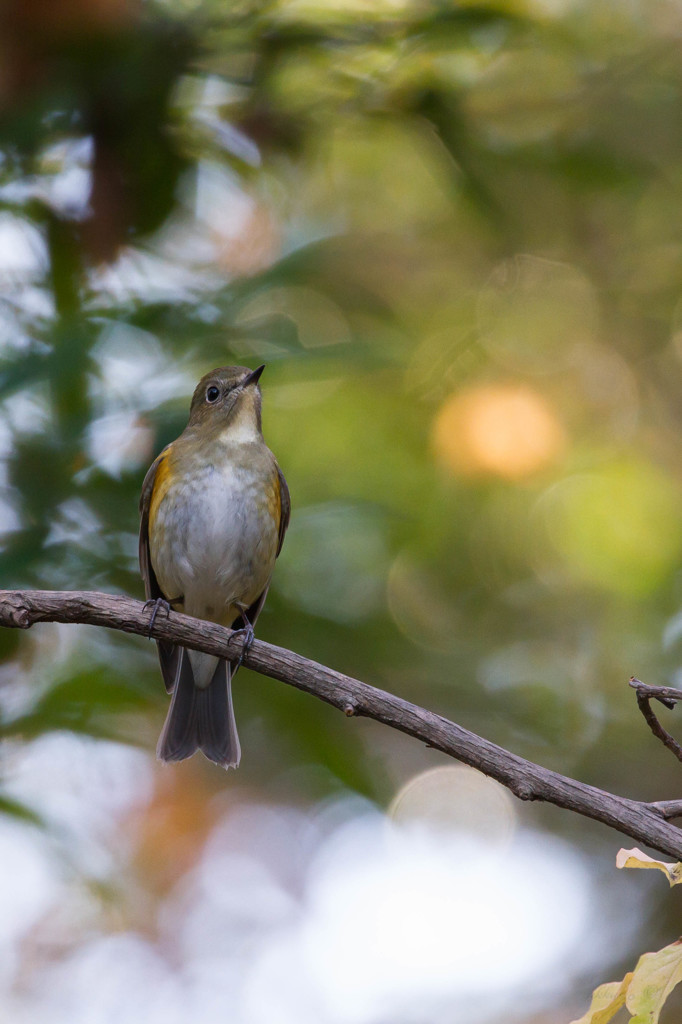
x: 275, y: 501
x: 162, y: 482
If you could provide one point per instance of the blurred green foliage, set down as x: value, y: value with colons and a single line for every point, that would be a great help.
x: 453, y: 233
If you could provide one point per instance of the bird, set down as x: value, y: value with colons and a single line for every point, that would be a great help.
x: 214, y: 510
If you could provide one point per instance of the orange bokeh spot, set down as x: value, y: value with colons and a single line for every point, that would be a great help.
x: 505, y: 430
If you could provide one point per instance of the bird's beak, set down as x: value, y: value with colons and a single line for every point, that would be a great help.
x: 252, y: 378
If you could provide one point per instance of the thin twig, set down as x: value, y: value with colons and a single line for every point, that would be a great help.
x: 528, y: 781
x: 666, y: 695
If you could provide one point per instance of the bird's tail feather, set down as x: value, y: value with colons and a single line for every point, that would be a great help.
x: 201, y: 719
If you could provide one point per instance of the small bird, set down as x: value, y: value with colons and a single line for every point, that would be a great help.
x: 213, y: 513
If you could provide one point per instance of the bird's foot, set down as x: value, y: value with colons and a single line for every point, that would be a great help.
x: 156, y: 603
x: 248, y: 635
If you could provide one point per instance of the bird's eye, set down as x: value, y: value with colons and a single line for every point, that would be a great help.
x: 212, y: 393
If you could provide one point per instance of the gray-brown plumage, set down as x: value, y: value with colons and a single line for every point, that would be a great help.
x: 214, y: 510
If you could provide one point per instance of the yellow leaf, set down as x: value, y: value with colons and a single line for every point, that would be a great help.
x: 606, y: 1002
x: 636, y: 859
x: 653, y: 979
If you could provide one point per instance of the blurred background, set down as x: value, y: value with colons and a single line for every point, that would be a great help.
x: 453, y: 232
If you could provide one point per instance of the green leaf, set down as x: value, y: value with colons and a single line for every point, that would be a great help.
x: 607, y: 1000
x: 654, y: 978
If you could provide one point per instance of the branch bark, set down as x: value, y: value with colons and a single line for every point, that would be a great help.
x: 668, y: 696
x: 645, y: 822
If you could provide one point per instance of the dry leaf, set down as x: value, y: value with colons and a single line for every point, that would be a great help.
x: 636, y: 859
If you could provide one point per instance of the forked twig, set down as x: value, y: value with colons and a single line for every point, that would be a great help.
x: 668, y: 696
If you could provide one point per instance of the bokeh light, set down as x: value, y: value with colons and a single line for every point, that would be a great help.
x: 505, y: 430
x: 280, y: 908
x: 620, y: 528
x: 457, y: 798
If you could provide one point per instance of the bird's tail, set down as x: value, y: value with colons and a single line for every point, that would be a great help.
x: 200, y: 718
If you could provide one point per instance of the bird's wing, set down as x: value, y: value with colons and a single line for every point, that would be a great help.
x: 284, y: 506
x: 169, y: 654
x: 152, y: 590
x: 256, y: 608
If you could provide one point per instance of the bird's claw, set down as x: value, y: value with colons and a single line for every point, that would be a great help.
x: 156, y: 603
x: 248, y: 637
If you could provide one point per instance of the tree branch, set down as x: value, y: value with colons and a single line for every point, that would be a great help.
x: 641, y: 821
x: 667, y: 808
x: 668, y: 696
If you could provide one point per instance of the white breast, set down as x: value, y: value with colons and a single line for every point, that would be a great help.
x: 216, y: 539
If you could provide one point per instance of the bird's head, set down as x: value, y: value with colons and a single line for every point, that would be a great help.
x: 228, y: 401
